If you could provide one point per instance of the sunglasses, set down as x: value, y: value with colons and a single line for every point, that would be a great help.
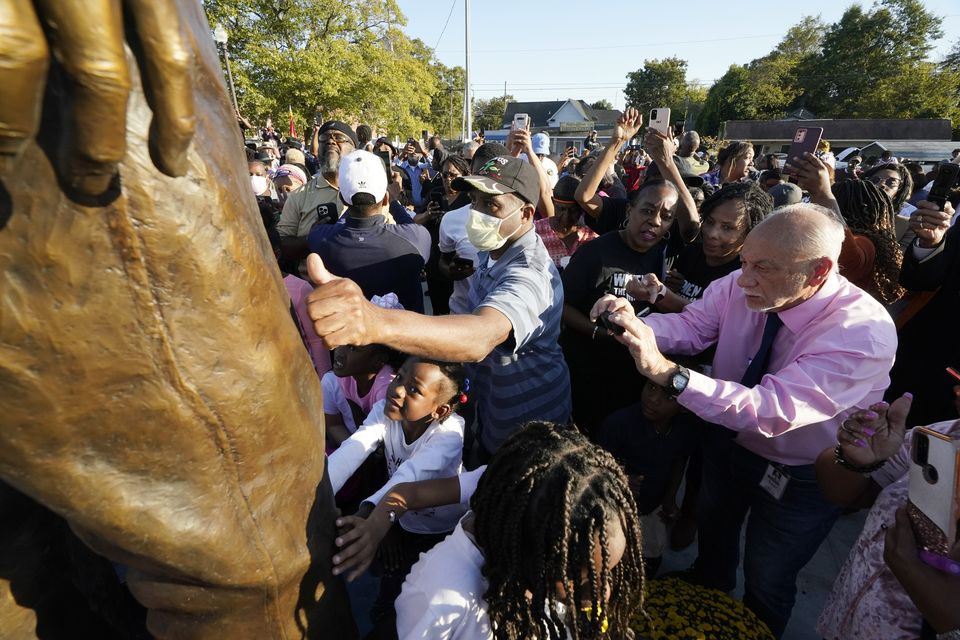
x: 893, y: 183
x: 338, y: 138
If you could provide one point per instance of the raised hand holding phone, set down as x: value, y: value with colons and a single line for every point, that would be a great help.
x: 930, y: 223
x: 660, y: 145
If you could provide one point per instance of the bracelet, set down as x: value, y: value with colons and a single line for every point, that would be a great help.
x: 849, y: 466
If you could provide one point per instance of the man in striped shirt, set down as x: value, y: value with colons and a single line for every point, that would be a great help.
x: 516, y: 300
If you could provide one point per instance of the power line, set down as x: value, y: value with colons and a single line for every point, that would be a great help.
x: 645, y: 44
x: 444, y: 30
x: 628, y: 46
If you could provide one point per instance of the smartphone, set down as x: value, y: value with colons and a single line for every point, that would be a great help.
x: 571, y: 145
x: 945, y: 181
x: 463, y: 263
x: 933, y: 506
x: 385, y: 157
x: 805, y: 140
x: 660, y: 120
x: 611, y: 326
x: 440, y: 198
x: 521, y: 121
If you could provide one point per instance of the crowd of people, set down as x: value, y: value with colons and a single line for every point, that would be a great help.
x: 603, y: 331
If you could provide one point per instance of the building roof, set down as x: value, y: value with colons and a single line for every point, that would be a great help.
x: 539, y: 112
x: 833, y: 130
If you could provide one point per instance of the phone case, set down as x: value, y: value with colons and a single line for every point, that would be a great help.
x: 659, y: 119
x: 805, y: 140
x: 933, y: 506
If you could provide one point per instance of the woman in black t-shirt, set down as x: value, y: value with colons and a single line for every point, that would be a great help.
x: 728, y: 216
x: 603, y: 376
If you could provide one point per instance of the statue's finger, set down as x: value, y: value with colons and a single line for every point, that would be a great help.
x: 87, y: 42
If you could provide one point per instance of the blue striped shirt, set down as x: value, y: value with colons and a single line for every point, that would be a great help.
x: 524, y: 378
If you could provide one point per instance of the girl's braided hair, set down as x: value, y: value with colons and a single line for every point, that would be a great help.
x: 869, y: 212
x: 543, y: 510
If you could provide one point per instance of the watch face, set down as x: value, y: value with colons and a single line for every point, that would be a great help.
x: 679, y: 380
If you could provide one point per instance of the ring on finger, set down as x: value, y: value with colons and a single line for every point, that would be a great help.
x: 843, y: 425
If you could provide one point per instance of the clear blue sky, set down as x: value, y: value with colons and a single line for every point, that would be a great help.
x: 551, y: 50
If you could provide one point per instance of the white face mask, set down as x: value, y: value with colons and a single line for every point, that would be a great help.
x: 483, y: 230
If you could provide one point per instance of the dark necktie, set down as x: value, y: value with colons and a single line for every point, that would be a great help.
x: 758, y: 366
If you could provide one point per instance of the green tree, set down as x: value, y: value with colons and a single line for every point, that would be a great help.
x: 660, y: 83
x: 488, y: 113
x: 446, y: 105
x: 335, y: 58
x: 766, y: 87
x: 871, y: 59
x: 952, y: 61
x: 602, y: 104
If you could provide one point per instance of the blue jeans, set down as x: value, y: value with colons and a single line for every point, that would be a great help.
x: 782, y: 535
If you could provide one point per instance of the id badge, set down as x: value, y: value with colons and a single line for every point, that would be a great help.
x: 775, y: 481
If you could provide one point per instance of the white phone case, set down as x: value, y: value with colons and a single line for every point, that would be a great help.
x: 938, y: 501
x: 659, y: 119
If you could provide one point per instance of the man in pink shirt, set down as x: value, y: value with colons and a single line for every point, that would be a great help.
x: 798, y: 349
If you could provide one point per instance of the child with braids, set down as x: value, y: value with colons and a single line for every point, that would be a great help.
x: 550, y: 550
x: 871, y: 256
x: 423, y: 438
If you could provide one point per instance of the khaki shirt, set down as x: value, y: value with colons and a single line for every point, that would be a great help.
x: 300, y: 210
x: 690, y: 165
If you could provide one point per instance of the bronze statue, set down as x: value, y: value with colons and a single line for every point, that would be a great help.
x: 154, y: 390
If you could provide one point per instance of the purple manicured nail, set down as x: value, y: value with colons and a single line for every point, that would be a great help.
x: 861, y: 443
x: 908, y: 395
x: 869, y: 432
x: 871, y: 415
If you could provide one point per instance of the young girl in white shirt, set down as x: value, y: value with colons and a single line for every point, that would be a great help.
x: 423, y: 439
x: 551, y: 549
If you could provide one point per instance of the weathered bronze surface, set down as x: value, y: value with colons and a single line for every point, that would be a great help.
x: 154, y: 391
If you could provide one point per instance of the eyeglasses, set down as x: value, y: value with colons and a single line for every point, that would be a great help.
x: 891, y: 182
x: 449, y: 175
x: 340, y: 139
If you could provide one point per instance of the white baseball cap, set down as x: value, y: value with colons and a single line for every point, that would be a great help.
x: 362, y: 172
x: 541, y: 144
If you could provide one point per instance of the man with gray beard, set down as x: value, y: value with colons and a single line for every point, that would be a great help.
x: 317, y: 202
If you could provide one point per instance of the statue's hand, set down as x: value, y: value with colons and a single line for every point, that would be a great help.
x: 86, y: 38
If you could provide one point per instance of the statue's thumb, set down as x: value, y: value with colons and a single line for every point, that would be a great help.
x: 317, y: 271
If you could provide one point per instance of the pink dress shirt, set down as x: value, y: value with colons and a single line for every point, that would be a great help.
x: 831, y: 357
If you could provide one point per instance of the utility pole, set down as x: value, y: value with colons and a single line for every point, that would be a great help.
x: 467, y: 108
x: 220, y: 35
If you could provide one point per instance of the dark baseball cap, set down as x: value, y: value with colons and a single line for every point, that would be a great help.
x: 487, y: 152
x: 501, y: 175
x: 566, y: 189
x: 785, y: 193
x: 342, y: 127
